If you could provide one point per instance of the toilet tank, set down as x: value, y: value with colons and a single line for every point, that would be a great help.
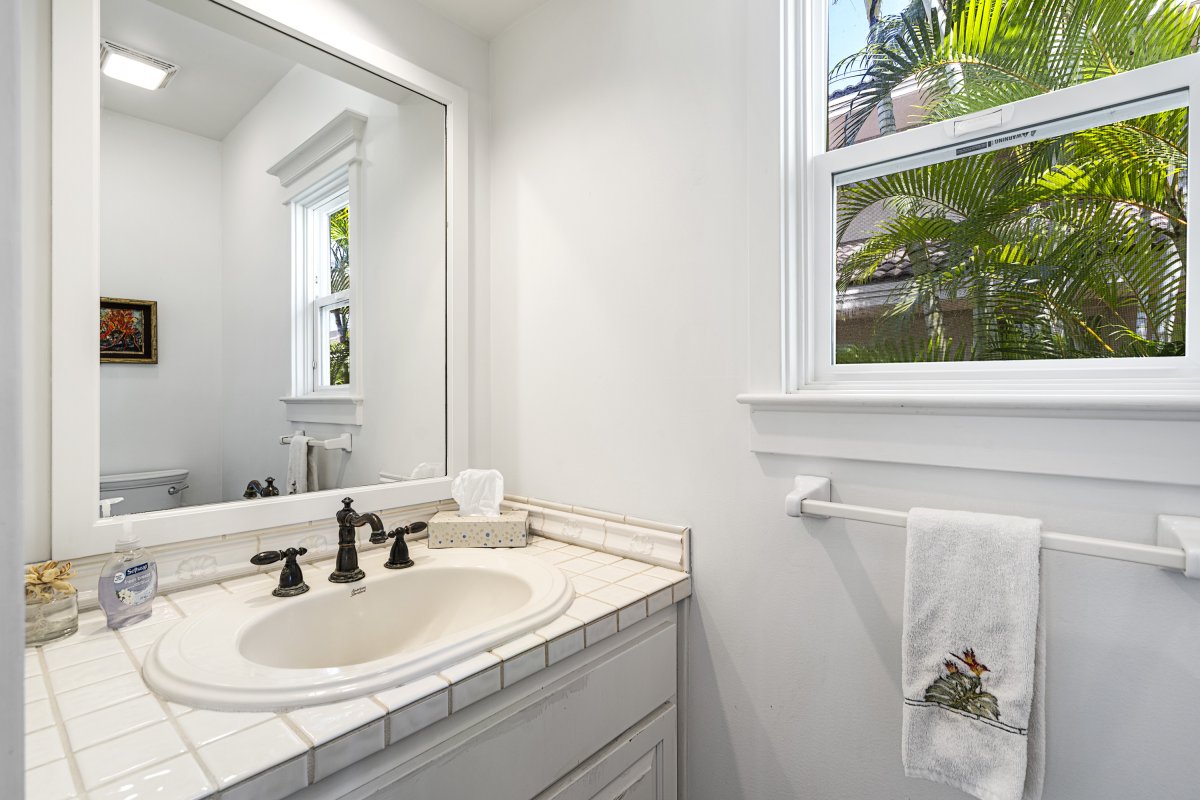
x: 145, y: 491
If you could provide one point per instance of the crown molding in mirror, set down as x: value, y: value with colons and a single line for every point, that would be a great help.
x: 75, y: 368
x: 338, y: 143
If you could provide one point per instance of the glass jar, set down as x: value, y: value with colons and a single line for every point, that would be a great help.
x: 50, y: 614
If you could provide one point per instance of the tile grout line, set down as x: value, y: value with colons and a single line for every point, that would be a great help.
x: 387, y: 721
x: 60, y: 725
x: 188, y: 745
x: 310, y: 755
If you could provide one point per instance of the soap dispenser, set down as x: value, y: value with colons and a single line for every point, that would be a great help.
x: 128, y: 581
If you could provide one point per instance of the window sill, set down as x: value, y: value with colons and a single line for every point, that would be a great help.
x: 1029, y: 433
x: 342, y: 409
x: 1182, y: 404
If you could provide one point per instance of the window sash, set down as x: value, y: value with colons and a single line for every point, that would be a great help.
x: 313, y: 212
x: 811, y: 296
x: 322, y: 307
x: 319, y: 238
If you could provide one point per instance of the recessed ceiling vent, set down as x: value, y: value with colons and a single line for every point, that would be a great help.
x: 130, y: 66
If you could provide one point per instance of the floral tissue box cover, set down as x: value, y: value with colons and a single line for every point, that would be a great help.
x: 448, y: 529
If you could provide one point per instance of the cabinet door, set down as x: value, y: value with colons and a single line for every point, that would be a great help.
x: 639, y: 765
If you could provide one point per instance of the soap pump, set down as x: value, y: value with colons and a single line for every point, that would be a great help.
x: 128, y: 581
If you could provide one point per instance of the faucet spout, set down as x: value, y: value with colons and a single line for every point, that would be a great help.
x: 346, y: 570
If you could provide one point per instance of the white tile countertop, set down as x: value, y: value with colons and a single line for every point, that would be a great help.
x: 94, y: 730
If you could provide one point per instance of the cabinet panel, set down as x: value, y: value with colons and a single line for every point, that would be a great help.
x: 516, y: 753
x: 640, y: 782
x: 639, y: 765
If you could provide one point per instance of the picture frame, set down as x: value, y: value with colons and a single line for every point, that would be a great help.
x: 128, y: 331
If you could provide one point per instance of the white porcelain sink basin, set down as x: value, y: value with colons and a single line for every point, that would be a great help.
x: 264, y: 653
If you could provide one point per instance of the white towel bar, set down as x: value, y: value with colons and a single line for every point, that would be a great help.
x: 343, y: 442
x: 1178, y: 537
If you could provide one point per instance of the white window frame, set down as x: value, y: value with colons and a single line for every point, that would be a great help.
x: 319, y: 172
x: 807, y: 372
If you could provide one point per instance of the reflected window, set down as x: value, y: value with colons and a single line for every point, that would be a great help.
x: 324, y: 266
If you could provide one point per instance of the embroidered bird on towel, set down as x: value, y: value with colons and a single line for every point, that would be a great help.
x: 964, y: 692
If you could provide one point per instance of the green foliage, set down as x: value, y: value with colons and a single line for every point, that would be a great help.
x: 964, y: 692
x: 1057, y: 246
x: 339, y: 250
x: 985, y: 53
x: 339, y: 362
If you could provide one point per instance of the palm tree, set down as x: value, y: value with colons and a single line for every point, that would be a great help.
x: 339, y: 281
x: 882, y: 30
x: 1069, y: 247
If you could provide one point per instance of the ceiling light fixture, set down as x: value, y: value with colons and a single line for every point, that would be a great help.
x: 133, y: 67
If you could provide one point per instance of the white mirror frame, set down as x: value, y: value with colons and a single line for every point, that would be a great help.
x: 75, y: 369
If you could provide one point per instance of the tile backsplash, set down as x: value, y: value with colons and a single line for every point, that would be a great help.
x: 221, y: 558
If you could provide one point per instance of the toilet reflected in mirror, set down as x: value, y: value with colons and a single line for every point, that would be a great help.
x: 135, y: 492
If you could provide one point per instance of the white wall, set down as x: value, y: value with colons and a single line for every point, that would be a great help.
x: 34, y: 121
x: 634, y: 205
x: 400, y: 261
x: 160, y: 239
x: 13, y: 330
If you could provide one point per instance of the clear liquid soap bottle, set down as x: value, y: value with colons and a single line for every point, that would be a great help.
x: 128, y: 582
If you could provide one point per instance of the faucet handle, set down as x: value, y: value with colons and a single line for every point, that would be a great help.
x: 291, y: 578
x: 398, y: 559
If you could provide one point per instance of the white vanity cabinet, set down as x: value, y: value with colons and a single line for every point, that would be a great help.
x: 640, y: 765
x: 601, y: 723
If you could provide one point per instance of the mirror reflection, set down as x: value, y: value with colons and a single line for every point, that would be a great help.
x: 272, y: 269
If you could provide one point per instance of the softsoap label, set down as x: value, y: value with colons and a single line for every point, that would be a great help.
x: 134, y: 585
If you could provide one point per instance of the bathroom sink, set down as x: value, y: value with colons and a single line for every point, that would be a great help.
x: 338, y: 641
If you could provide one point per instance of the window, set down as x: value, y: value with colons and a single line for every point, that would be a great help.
x: 323, y: 176
x: 993, y: 192
x: 326, y: 273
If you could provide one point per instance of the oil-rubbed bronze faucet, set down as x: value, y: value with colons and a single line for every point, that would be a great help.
x: 346, y: 570
x: 399, y: 556
x: 291, y: 579
x: 256, y: 489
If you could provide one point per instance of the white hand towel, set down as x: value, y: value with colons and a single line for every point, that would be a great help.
x: 297, y: 469
x: 973, y: 655
x: 314, y: 463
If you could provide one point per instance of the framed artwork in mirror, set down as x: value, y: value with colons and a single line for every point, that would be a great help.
x: 128, y: 331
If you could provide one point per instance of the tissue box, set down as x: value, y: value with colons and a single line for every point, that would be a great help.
x: 448, y: 529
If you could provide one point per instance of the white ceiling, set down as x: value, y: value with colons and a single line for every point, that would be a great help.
x: 484, y: 18
x: 220, y: 77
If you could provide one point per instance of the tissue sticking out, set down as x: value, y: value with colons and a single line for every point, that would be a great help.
x: 478, y: 492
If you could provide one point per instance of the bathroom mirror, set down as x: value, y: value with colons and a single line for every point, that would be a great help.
x: 270, y: 227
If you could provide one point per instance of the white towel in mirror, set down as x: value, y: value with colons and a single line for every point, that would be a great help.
x: 299, y: 464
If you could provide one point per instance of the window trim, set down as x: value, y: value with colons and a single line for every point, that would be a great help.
x: 1056, y: 387
x: 325, y: 166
